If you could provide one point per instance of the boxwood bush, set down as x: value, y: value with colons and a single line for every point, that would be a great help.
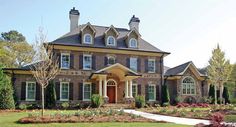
x: 139, y: 101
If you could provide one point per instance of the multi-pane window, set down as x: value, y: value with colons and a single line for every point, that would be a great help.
x: 188, y: 85
x: 65, y: 60
x: 111, y: 41
x: 87, y: 39
x: 87, y: 91
x: 64, y: 94
x: 133, y: 43
x: 30, y: 90
x: 133, y: 63
x: 87, y: 62
x: 134, y: 90
x: 111, y: 60
x: 151, y: 65
x: 152, y: 92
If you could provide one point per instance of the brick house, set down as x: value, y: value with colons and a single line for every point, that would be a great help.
x: 114, y: 62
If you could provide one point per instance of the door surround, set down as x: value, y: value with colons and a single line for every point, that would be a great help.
x: 112, y: 82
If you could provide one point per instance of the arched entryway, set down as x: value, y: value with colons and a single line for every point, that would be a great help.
x: 112, y: 90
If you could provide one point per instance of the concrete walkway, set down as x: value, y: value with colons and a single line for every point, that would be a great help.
x: 172, y: 119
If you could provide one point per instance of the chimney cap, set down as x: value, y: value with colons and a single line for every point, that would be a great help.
x: 134, y: 19
x: 74, y: 11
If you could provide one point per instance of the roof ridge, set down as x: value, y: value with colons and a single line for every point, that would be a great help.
x: 181, y: 65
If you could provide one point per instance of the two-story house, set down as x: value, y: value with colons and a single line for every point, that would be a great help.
x: 116, y: 63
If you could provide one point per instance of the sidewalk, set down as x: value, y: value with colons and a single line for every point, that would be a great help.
x: 177, y: 120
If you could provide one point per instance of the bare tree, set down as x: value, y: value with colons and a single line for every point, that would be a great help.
x: 46, y: 68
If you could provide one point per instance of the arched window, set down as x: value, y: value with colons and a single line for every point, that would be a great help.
x: 111, y: 82
x: 111, y: 60
x: 188, y: 85
x: 87, y: 39
x: 111, y: 41
x: 133, y: 43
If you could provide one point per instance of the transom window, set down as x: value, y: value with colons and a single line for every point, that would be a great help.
x: 188, y: 85
x: 87, y: 62
x: 152, y: 92
x: 64, y: 88
x: 65, y: 61
x: 87, y: 39
x: 151, y: 65
x: 133, y: 63
x: 87, y: 91
x: 134, y: 90
x: 30, y: 91
x: 133, y: 43
x: 111, y: 41
x: 111, y: 60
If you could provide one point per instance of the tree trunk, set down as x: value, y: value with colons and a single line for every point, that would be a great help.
x: 215, y: 98
x: 42, y: 113
x: 221, y: 92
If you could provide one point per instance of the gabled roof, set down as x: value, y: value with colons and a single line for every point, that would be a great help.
x: 112, y: 28
x: 90, y: 26
x: 73, y: 38
x: 135, y: 31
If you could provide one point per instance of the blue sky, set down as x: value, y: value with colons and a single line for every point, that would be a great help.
x: 189, y: 29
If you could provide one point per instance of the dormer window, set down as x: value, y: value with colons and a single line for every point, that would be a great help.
x: 87, y: 39
x: 133, y: 43
x: 111, y: 41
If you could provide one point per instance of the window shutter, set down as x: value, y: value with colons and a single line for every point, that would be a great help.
x: 80, y: 91
x: 105, y: 61
x: 128, y: 62
x: 38, y: 91
x: 23, y: 90
x: 94, y: 62
x: 81, y: 61
x: 139, y: 89
x: 59, y: 59
x: 157, y: 66
x: 138, y: 65
x: 71, y: 61
x: 146, y: 93
x: 58, y: 90
x: 71, y: 91
x: 157, y: 92
x: 93, y: 89
x: 146, y: 65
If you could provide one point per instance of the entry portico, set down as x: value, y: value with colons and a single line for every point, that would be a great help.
x: 112, y: 77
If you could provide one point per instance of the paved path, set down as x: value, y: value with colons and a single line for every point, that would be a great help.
x: 177, y: 120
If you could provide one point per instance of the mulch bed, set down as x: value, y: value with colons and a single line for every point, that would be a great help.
x: 90, y: 119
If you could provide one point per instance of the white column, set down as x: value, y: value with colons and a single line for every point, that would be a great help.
x: 126, y: 89
x: 130, y: 89
x: 100, y: 86
x: 105, y: 87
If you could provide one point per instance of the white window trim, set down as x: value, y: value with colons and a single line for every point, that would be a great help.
x: 90, y: 62
x: 136, y: 62
x: 90, y: 91
x: 26, y: 98
x: 154, y: 70
x: 154, y: 92
x: 61, y: 91
x: 108, y: 57
x: 136, y: 88
x: 190, y: 86
x: 65, y: 54
x: 108, y: 41
x: 131, y: 45
x: 84, y: 40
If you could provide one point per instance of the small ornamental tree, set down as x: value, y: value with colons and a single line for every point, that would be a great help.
x: 50, y: 95
x: 226, y: 95
x: 212, y: 93
x: 165, y: 94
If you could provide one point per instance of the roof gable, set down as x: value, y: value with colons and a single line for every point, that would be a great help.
x: 112, y: 28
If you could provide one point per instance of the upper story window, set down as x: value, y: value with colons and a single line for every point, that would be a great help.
x: 64, y: 91
x: 151, y: 65
x: 188, y: 86
x: 111, y: 41
x: 87, y: 39
x: 87, y: 62
x: 133, y: 43
x: 30, y: 91
x: 65, y: 61
x: 133, y: 63
x: 111, y: 60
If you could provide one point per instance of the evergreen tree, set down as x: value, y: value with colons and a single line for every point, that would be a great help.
x: 165, y: 94
x: 226, y: 95
x: 211, y: 93
x: 50, y: 95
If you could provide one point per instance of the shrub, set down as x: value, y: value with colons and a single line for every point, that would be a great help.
x: 50, y: 100
x: 165, y: 94
x: 65, y: 105
x: 216, y: 119
x: 22, y: 106
x: 139, y: 101
x: 166, y: 104
x: 84, y: 104
x: 226, y: 95
x: 178, y: 99
x: 211, y: 93
x: 97, y: 100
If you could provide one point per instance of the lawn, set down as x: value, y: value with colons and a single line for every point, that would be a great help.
x: 9, y: 119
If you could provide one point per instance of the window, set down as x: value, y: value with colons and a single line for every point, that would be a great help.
x: 64, y: 91
x: 111, y: 60
x: 151, y: 65
x: 134, y: 90
x: 152, y: 92
x: 111, y: 41
x: 133, y: 64
x: 133, y: 43
x: 87, y: 39
x: 87, y: 91
x: 30, y: 91
x: 65, y: 61
x: 188, y: 85
x: 87, y: 62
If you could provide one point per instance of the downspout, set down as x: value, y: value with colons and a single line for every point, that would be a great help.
x: 161, y: 72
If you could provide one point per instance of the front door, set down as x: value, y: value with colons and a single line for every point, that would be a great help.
x: 111, y: 91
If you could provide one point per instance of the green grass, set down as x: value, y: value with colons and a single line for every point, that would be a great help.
x: 9, y: 119
x: 230, y: 118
